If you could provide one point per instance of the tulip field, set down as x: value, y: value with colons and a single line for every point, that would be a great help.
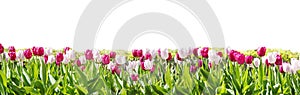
x: 196, y: 71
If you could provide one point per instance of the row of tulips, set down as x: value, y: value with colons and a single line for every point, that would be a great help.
x: 40, y: 70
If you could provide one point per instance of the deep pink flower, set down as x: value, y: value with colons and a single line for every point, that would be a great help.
x: 158, y: 51
x: 220, y: 54
x: 231, y: 55
x: 143, y: 66
x: 140, y: 53
x: 170, y: 57
x: 278, y: 60
x: 105, y: 59
x: 249, y: 59
x: 12, y: 56
x: 134, y: 52
x: 134, y: 77
x: 148, y: 56
x: 261, y: 51
x: 46, y: 58
x: 66, y: 49
x: 11, y: 49
x: 193, y: 68
x: 281, y: 69
x: 1, y: 49
x: 112, y: 54
x: 88, y: 54
x: 195, y: 51
x: 38, y: 51
x: 27, y: 53
x: 115, y: 70
x: 152, y: 69
x: 200, y: 63
x: 78, y: 62
x: 209, y: 65
x: 142, y: 59
x: 178, y: 57
x: 240, y: 58
x: 267, y: 62
x: 59, y: 58
x: 34, y: 50
x: 204, y: 52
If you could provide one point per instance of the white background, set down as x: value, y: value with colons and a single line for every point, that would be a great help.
x: 246, y: 24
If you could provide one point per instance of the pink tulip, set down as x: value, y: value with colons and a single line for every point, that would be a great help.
x: 11, y: 49
x: 140, y: 53
x: 200, y: 63
x: 261, y: 51
x: 112, y: 54
x: 27, y: 53
x: 1, y: 49
x: 88, y: 54
x: 115, y: 70
x: 46, y: 58
x: 12, y: 56
x: 281, y: 69
x: 148, y: 56
x: 59, y: 58
x: 204, y: 52
x: 193, y: 68
x: 231, y: 55
x: 278, y: 60
x: 195, y: 51
x: 240, y: 58
x: 134, y: 53
x: 249, y: 59
x: 105, y: 59
x: 134, y: 77
x: 66, y: 49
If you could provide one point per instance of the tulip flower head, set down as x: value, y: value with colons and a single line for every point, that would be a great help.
x: 112, y: 54
x: 12, y: 56
x: 256, y: 62
x: 1, y: 48
x: 105, y: 59
x: 59, y: 58
x: 120, y: 59
x: 11, y: 49
x: 261, y: 51
x: 89, y: 54
x: 249, y: 59
x: 164, y: 54
x: 195, y: 51
x: 204, y: 52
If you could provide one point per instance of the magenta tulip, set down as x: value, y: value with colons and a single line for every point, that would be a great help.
x: 278, y: 60
x: 195, y: 51
x: 59, y: 58
x: 66, y: 49
x: 249, y: 59
x: 140, y: 53
x: 11, y: 49
x: 170, y: 57
x: 204, y: 52
x: 178, y: 57
x: 27, y: 53
x: 134, y: 52
x: 281, y: 69
x: 1, y: 49
x: 105, y: 59
x: 200, y: 63
x: 112, y: 54
x: 12, y: 56
x: 261, y: 51
x: 240, y: 58
x: 115, y: 70
x: 88, y: 54
x: 46, y: 58
x: 134, y: 77
x: 193, y: 68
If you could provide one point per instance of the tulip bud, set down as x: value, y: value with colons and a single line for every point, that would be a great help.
x: 134, y: 53
x: 89, y: 54
x: 204, y: 52
x: 1, y: 49
x: 261, y: 51
x: 59, y: 58
x: 278, y: 60
x: 240, y: 58
x: 11, y: 49
x: 12, y: 56
x: 27, y: 53
x: 45, y: 59
x: 105, y: 59
x: 249, y: 59
x: 200, y: 63
x: 112, y: 54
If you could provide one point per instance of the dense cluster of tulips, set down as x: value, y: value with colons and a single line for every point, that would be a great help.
x: 40, y: 70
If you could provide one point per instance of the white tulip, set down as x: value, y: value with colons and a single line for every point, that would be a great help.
x: 164, y: 54
x: 51, y: 59
x: 182, y: 53
x: 20, y: 55
x: 287, y: 67
x: 82, y: 59
x: 132, y: 65
x: 71, y: 55
x: 213, y: 57
x: 148, y: 64
x: 272, y: 57
x: 256, y: 62
x: 120, y: 59
x: 96, y: 55
x: 48, y: 51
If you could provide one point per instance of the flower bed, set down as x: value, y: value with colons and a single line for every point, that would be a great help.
x: 40, y: 70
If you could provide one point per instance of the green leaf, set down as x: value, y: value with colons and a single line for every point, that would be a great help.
x: 3, y: 79
x: 53, y: 87
x: 43, y: 73
x: 81, y: 89
x: 168, y: 77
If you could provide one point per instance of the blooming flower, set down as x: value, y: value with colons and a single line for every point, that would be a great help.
x: 147, y: 65
x: 88, y: 54
x: 231, y: 55
x: 59, y: 58
x: 46, y: 58
x: 96, y: 55
x: 249, y: 59
x: 272, y: 57
x: 278, y: 60
x: 51, y: 59
x: 48, y: 51
x: 115, y: 69
x: 204, y: 52
x: 66, y: 49
x: 140, y: 53
x: 256, y: 62
x: 240, y: 58
x: 134, y: 52
x: 1, y: 48
x: 20, y: 55
x: 182, y: 53
x: 120, y: 59
x: 193, y: 68
x: 105, y: 59
x: 11, y: 49
x: 286, y: 67
x: 261, y: 51
x: 195, y: 51
x: 164, y: 54
x: 200, y: 63
x: 12, y: 55
x: 213, y: 57
x: 169, y: 56
x: 134, y: 77
x: 112, y: 54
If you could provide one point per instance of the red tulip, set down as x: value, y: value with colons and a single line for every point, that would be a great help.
x: 200, y: 63
x: 12, y: 56
x: 281, y: 69
x: 178, y: 57
x: 220, y: 54
x: 88, y: 54
x: 1, y: 49
x: 66, y: 49
x: 112, y: 54
x: 278, y: 60
x: 232, y: 55
x: 46, y: 58
x: 240, y: 58
x: 249, y: 59
x: 195, y: 51
x: 27, y: 53
x: 134, y: 52
x: 105, y: 59
x: 59, y: 58
x: 261, y: 51
x: 158, y: 51
x: 143, y: 66
x: 140, y: 53
x: 11, y: 49
x: 134, y: 77
x: 204, y: 52
x: 170, y: 57
x: 148, y: 56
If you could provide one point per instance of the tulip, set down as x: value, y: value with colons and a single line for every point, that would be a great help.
x: 115, y: 69
x: 169, y: 57
x: 1, y: 49
x: 132, y: 65
x: 148, y: 64
x: 158, y: 51
x: 89, y: 54
x: 134, y: 53
x: 148, y: 56
x: 27, y: 53
x: 34, y: 50
x: 40, y: 51
x: 213, y: 57
x: 204, y: 52
x: 240, y: 58
x: 11, y: 49
x: 105, y: 59
x: 278, y: 60
x: 78, y: 62
x: 45, y: 59
x: 140, y: 53
x: 112, y: 54
x: 272, y: 57
x: 96, y: 55
x: 178, y: 57
x: 152, y: 69
x: 200, y: 63
x: 256, y: 62
x: 220, y: 54
x: 71, y: 54
x: 195, y: 51
x: 231, y: 55
x: 286, y: 67
x: 120, y: 59
x: 249, y: 59
x: 261, y: 51
x: 20, y: 55
x: 142, y: 59
x: 66, y: 49
x: 209, y: 65
x: 59, y: 58
x: 134, y: 77
x: 281, y: 69
x: 193, y: 68
x: 51, y: 59
x: 82, y: 68
x: 164, y: 54
x: 48, y: 51
x: 143, y: 65
x: 182, y: 53
x: 12, y: 56
x: 82, y: 59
